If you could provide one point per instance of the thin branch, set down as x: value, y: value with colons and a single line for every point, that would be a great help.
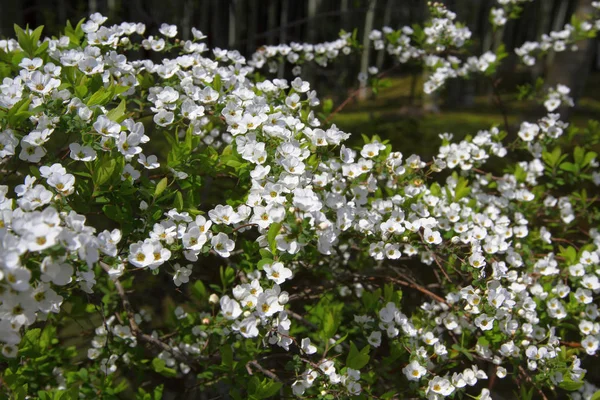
x: 528, y: 379
x: 137, y: 332
x: 500, y: 104
x: 259, y: 367
x: 418, y: 287
x: 244, y: 226
x: 355, y: 93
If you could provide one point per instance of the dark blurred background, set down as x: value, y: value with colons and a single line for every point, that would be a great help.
x: 402, y: 110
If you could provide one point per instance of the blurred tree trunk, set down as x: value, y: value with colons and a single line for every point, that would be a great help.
x: 220, y: 31
x: 112, y: 9
x: 252, y: 9
x: 344, y: 14
x: 204, y: 17
x: 543, y: 26
x: 387, y: 16
x: 364, y: 60
x: 61, y: 13
x: 558, y: 24
x: 232, y: 22
x: 272, y: 21
x: 572, y: 68
x: 186, y: 19
x: 308, y: 70
x: 283, y: 19
x: 311, y: 34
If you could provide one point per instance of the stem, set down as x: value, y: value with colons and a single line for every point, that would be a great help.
x: 137, y: 332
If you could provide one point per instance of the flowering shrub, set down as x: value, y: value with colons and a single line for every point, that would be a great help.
x: 287, y: 261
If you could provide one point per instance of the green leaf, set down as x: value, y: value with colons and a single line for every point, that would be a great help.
x: 357, y: 359
x: 19, y: 108
x: 435, y: 189
x: 588, y: 158
x: 75, y: 34
x: 569, y: 167
x: 463, y: 351
x: 104, y: 169
x: 100, y: 97
x: 267, y: 388
x: 118, y: 113
x: 199, y: 290
x: 462, y: 189
x: 340, y: 340
x: 578, y: 155
x: 596, y: 396
x: 35, y: 37
x: 216, y: 83
x: 158, y: 392
x: 569, y: 384
x: 264, y: 253
x: 273, y: 231
x: 161, y: 186
x: 226, y: 356
x: 331, y: 322
x: 48, y: 333
x: 24, y: 40
x: 158, y: 365
x: 178, y: 202
x: 260, y: 265
x: 42, y: 49
x: 327, y: 106
x: 389, y: 395
x: 569, y: 254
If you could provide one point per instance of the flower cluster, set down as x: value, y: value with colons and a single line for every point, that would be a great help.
x: 248, y: 177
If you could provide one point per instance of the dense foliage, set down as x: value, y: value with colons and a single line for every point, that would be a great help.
x: 255, y: 255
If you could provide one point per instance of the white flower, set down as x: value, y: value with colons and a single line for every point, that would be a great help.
x: 150, y: 162
x: 198, y: 35
x: 231, y: 309
x: 327, y: 367
x: 82, y: 153
x: 106, y: 127
x: 222, y: 244
x: 374, y: 339
x: 414, y: 371
x: 182, y: 274
x: 169, y: 31
x: 130, y: 172
x: 31, y: 152
x: 500, y: 372
x: 141, y: 254
x: 432, y: 237
x: 441, y: 386
x: 277, y: 272
x: 590, y: 344
x: 164, y: 118
x: 307, y: 347
x: 528, y: 131
x: 484, y: 322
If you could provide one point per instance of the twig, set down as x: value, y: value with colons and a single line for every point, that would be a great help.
x: 420, y: 288
x: 243, y: 226
x: 355, y: 93
x: 500, y: 104
x: 259, y: 367
x: 437, y: 261
x: 137, y: 332
x: 528, y: 379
